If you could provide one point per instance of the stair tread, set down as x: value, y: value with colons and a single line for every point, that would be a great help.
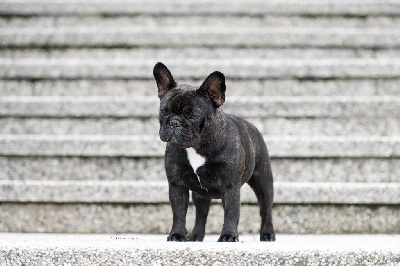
x: 153, y: 249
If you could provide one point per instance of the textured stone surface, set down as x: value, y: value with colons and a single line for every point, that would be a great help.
x: 152, y: 169
x: 85, y: 126
x: 345, y: 52
x: 244, y: 20
x: 135, y: 88
x: 41, y: 249
x: 381, y: 126
x: 29, y: 249
x: 151, y: 146
x: 200, y: 68
x: 246, y: 106
x: 129, y: 218
x: 154, y: 192
x: 200, y: 52
x: 327, y: 7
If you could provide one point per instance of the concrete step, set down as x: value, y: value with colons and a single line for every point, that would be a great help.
x: 156, y: 192
x: 306, y: 126
x: 192, y: 7
x: 342, y: 169
x: 254, y: 87
x: 200, y: 37
x: 340, y: 115
x: 151, y: 146
x: 116, y: 206
x: 202, y: 20
x: 117, y: 218
x: 246, y: 106
x: 200, y: 68
x: 199, y: 52
x: 16, y: 249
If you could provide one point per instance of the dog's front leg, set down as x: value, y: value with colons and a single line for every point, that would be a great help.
x: 231, y: 204
x: 179, y: 199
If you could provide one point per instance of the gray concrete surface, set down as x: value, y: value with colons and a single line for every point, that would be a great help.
x: 157, y: 218
x: 199, y: 52
x: 211, y: 20
x: 257, y: 87
x: 190, y: 36
x: 151, y: 146
x: 31, y: 249
x: 154, y: 192
x: 152, y: 169
x: 305, y: 126
x: 200, y: 68
x: 326, y: 7
x: 245, y: 106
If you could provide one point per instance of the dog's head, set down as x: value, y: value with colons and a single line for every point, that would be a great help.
x: 185, y: 110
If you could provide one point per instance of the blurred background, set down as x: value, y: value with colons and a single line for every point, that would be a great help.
x: 79, y: 145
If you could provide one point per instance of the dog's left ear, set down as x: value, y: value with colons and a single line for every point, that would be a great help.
x: 213, y: 88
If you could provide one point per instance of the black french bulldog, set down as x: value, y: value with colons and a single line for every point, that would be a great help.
x: 212, y: 154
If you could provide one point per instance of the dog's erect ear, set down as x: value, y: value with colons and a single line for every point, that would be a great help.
x: 164, y: 79
x: 213, y: 88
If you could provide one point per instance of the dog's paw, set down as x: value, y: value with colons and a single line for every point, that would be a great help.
x: 267, y: 237
x: 228, y: 238
x: 176, y: 237
x: 195, y: 237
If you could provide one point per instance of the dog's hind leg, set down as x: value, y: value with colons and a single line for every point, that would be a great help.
x: 202, y: 208
x: 262, y: 184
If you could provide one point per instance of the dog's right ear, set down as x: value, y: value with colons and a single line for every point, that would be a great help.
x: 164, y: 79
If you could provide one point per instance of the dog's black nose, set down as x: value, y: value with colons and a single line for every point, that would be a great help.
x: 175, y: 123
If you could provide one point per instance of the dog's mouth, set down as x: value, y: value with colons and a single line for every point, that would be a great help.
x: 184, y: 138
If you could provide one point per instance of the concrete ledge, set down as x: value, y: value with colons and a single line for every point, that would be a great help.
x: 151, y: 146
x: 157, y: 192
x: 246, y: 106
x: 327, y: 7
x: 153, y: 249
x: 200, y: 37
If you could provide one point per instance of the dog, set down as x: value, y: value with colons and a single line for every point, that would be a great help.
x: 212, y: 154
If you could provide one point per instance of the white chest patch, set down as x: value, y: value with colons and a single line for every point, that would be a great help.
x: 195, y: 159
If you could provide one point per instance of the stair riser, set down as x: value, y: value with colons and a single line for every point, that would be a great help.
x: 149, y: 126
x: 116, y: 218
x: 201, y: 68
x: 151, y: 146
x: 255, y: 87
x: 255, y: 107
x: 166, y: 53
x: 199, y: 37
x: 201, y: 21
x: 152, y: 169
x: 307, y: 8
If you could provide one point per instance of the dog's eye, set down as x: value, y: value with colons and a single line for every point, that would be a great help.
x: 193, y: 116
